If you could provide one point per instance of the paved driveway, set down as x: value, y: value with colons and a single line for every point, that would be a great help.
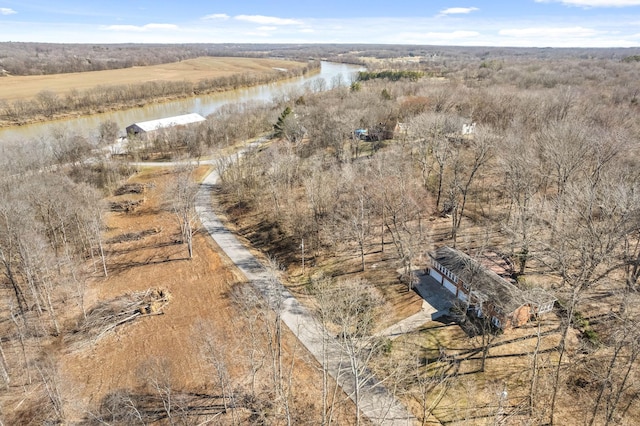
x: 436, y: 301
x: 376, y: 402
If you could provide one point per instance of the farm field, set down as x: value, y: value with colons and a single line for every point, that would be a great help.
x: 192, y: 70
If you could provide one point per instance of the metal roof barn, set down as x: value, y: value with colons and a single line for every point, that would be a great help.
x: 163, y: 123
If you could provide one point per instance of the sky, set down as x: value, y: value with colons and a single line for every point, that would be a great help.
x: 520, y: 23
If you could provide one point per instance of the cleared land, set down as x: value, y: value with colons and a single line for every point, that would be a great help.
x: 143, y: 253
x: 26, y: 87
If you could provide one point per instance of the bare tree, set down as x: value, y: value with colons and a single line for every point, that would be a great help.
x: 466, y: 164
x: 107, y: 132
x: 156, y: 375
x: 354, y: 314
x: 588, y: 233
x: 401, y: 201
x: 182, y: 197
x: 523, y: 181
x: 435, y: 133
x: 214, y: 351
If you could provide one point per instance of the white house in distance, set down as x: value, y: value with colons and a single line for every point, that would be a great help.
x: 146, y: 127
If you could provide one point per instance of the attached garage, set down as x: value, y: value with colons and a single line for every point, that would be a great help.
x: 462, y: 296
x: 436, y: 275
x: 450, y: 286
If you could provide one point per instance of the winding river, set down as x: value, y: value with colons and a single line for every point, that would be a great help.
x: 329, y: 75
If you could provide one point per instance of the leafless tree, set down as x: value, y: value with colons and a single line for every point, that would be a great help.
x: 107, y: 132
x: 523, y: 181
x: 215, y: 351
x: 182, y: 197
x: 466, y: 163
x: 589, y: 231
x: 354, y: 314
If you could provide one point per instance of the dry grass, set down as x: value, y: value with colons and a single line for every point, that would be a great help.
x: 200, y: 289
x: 110, y: 314
x: 27, y: 87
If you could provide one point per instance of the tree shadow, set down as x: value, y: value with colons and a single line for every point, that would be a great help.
x: 124, y: 406
x: 118, y: 268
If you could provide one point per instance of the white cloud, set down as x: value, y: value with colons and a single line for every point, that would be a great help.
x: 457, y: 10
x: 437, y: 35
x: 549, y: 32
x: 7, y: 11
x: 217, y: 16
x: 143, y: 28
x: 267, y: 20
x: 266, y: 28
x: 452, y: 35
x: 594, y: 3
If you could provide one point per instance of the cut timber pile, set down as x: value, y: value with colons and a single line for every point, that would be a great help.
x: 131, y: 188
x: 110, y: 314
x: 125, y: 206
x: 134, y: 236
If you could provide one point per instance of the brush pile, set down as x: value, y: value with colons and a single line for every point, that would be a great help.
x: 110, y: 314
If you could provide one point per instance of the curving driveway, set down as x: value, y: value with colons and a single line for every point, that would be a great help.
x: 376, y: 402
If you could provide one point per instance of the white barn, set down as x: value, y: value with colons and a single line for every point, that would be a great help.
x: 145, y: 127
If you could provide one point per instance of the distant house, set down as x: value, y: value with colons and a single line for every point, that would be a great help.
x: 468, y: 129
x: 145, y: 128
x: 361, y: 134
x: 488, y: 294
x: 381, y: 131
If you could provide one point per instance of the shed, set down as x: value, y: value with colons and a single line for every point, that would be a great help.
x: 146, y: 127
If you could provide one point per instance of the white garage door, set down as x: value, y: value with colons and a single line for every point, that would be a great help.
x: 449, y: 286
x: 436, y: 275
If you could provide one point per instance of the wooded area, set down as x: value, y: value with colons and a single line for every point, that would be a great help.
x: 547, y: 179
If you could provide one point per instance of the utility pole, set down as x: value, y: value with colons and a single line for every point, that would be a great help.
x: 302, y: 247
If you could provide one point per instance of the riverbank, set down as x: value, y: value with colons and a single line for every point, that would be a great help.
x: 32, y: 99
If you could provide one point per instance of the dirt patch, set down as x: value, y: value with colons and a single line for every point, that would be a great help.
x: 26, y: 87
x: 122, y: 366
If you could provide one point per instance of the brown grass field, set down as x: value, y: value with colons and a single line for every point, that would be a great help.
x: 199, y: 291
x: 14, y: 88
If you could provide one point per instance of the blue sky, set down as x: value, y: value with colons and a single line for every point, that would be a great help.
x: 538, y: 23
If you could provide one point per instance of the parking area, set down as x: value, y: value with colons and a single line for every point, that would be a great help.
x: 437, y: 299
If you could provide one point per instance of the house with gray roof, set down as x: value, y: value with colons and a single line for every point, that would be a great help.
x: 485, y: 291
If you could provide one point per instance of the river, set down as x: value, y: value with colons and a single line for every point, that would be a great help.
x: 330, y: 74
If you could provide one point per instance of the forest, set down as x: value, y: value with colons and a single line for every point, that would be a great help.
x: 547, y: 181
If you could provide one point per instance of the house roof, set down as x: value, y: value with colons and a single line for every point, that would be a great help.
x: 178, y: 120
x: 483, y: 283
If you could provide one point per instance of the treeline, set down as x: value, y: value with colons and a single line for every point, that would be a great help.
x: 389, y: 75
x: 51, y: 240
x: 48, y: 104
x: 18, y: 58
x: 50, y: 58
